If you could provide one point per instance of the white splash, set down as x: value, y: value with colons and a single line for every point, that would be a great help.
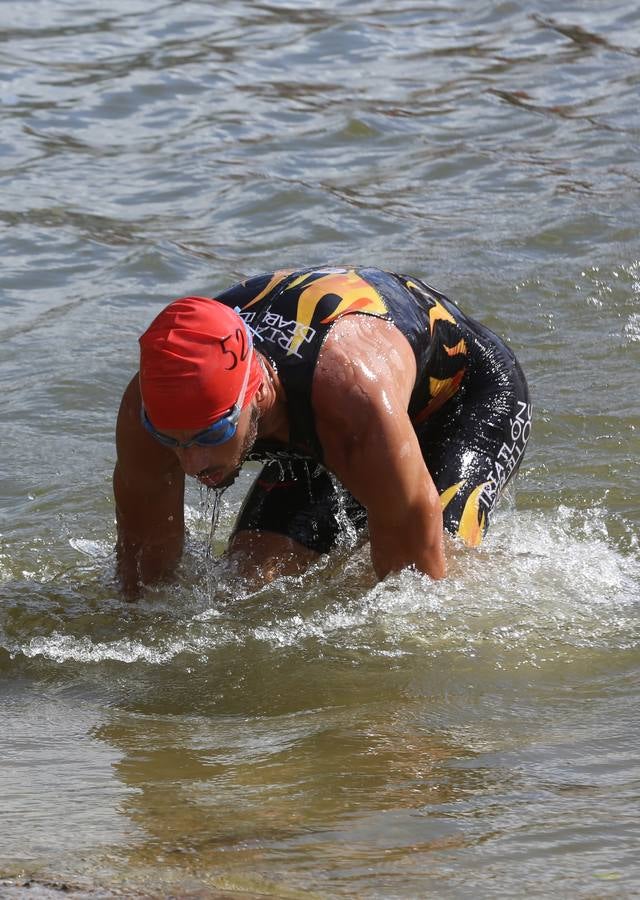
x: 544, y: 584
x: 632, y: 328
x: 94, y: 549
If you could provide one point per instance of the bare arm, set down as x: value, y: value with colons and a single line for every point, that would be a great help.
x: 148, y: 486
x: 362, y: 386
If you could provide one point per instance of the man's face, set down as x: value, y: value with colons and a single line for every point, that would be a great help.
x: 218, y: 465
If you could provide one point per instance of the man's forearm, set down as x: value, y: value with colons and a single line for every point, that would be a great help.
x: 150, y: 527
x: 430, y: 560
x: 417, y: 542
x: 141, y: 563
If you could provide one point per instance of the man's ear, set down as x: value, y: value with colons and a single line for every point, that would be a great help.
x: 261, y: 392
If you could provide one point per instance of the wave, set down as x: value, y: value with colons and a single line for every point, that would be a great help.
x: 544, y: 585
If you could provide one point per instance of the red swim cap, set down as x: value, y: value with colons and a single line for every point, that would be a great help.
x: 193, y: 359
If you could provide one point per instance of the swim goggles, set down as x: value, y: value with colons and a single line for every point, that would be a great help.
x: 219, y: 432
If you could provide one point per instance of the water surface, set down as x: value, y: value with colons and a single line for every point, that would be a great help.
x: 325, y: 735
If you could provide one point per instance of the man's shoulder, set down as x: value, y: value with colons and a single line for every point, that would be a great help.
x: 364, y: 340
x: 364, y: 359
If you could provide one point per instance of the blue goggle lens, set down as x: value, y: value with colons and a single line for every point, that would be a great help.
x: 218, y: 432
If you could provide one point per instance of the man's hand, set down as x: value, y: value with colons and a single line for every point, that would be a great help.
x: 148, y: 486
x: 362, y: 386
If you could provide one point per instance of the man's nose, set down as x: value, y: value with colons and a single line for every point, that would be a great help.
x: 192, y: 459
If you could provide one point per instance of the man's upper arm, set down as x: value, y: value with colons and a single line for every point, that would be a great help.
x: 361, y: 395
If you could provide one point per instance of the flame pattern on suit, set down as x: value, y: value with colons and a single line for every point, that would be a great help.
x: 291, y: 311
x: 354, y: 294
x: 449, y: 360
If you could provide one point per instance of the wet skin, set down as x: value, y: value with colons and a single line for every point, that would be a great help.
x: 361, y: 389
x: 217, y: 466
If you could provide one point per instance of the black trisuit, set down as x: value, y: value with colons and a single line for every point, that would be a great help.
x: 470, y: 405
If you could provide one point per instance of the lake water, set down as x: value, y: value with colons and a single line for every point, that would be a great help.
x: 325, y: 736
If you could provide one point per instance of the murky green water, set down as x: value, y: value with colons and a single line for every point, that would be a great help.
x: 325, y: 736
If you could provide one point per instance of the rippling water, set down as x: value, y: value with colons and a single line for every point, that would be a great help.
x: 326, y: 735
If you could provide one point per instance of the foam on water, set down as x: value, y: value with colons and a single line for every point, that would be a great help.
x: 545, y: 585
x: 632, y: 328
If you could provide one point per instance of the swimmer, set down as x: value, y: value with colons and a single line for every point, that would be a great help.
x: 351, y: 377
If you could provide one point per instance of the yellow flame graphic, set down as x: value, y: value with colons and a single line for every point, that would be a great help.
x: 471, y: 528
x: 460, y: 347
x: 354, y: 291
x: 438, y: 312
x: 447, y: 495
x: 277, y: 277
